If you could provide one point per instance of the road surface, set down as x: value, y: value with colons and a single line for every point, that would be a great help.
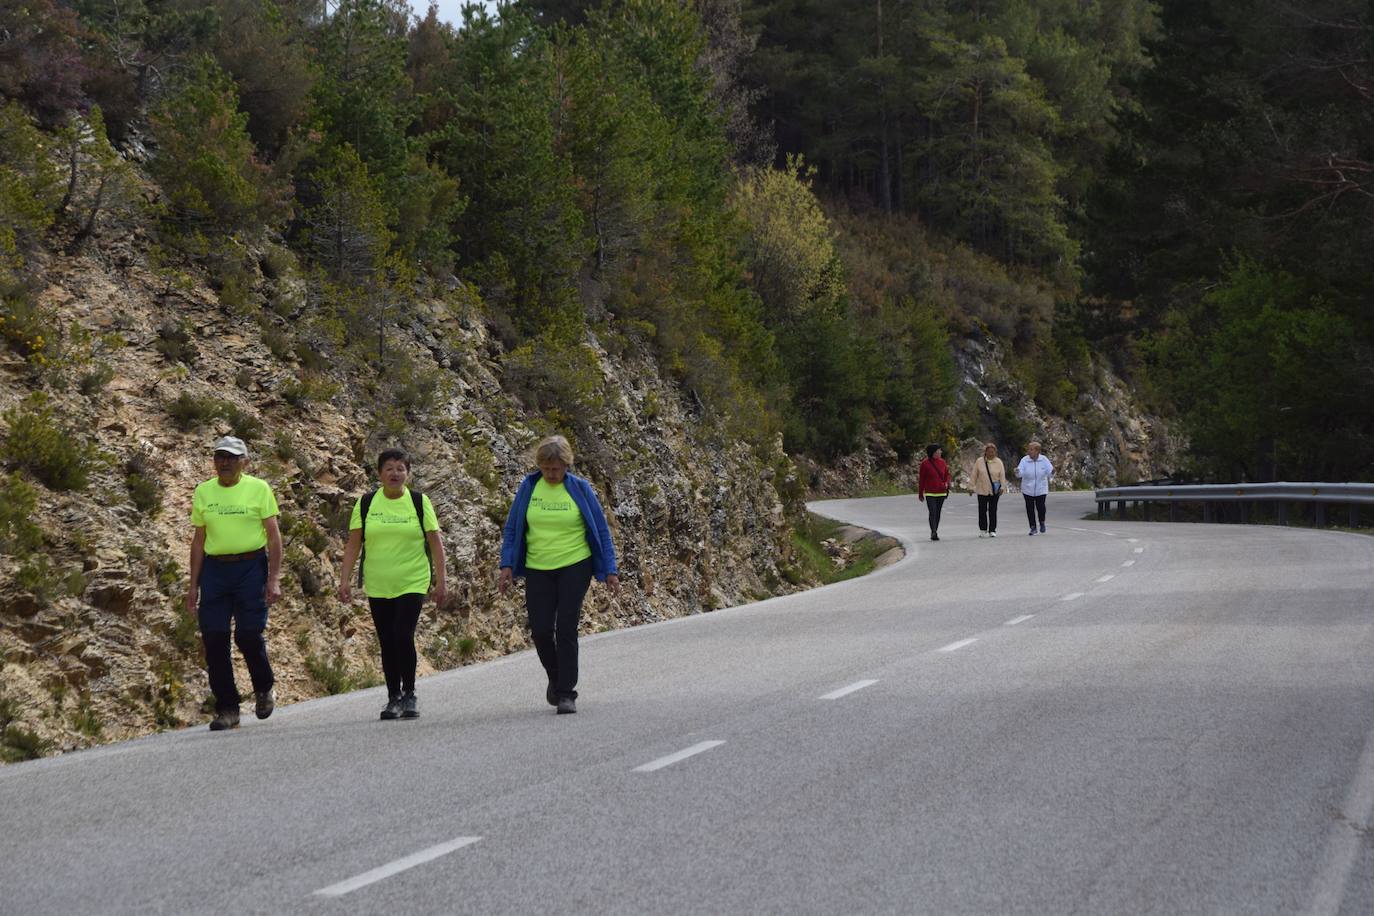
x: 1111, y: 718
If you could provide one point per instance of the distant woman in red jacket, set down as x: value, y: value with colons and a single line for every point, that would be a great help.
x: 933, y: 486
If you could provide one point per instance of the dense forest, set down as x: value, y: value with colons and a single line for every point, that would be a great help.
x: 1185, y: 187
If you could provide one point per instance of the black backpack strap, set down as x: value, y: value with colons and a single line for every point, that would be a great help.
x: 419, y: 500
x: 362, y: 531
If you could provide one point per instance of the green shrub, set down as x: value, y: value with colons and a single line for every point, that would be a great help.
x: 30, y: 185
x: 86, y: 720
x: 174, y: 342
x: 18, y: 743
x: 334, y: 676
x: 307, y: 533
x: 277, y: 341
x: 145, y: 492
x: 94, y: 381
x: 206, y: 162
x: 54, y: 453
x: 189, y: 411
x: 19, y: 536
x: 27, y: 329
x: 311, y: 386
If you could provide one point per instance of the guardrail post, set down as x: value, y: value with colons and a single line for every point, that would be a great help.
x: 1354, y: 516
x: 1245, y: 513
x: 1207, y: 512
x: 1283, y: 513
x: 1173, y: 511
x: 1321, y: 514
x: 1121, y: 508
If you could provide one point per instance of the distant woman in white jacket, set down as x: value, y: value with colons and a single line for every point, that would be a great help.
x: 1035, y: 472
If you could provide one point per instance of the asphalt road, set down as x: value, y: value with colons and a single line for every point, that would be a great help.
x: 1112, y: 718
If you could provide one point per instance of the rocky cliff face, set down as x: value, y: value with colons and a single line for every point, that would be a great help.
x: 1108, y: 438
x: 103, y: 650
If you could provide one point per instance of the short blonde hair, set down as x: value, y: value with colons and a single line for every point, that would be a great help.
x: 989, y: 445
x: 553, y: 447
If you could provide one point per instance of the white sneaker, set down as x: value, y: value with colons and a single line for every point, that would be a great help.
x: 982, y: 534
x: 992, y: 534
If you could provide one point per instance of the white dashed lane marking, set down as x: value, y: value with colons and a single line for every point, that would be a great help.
x: 846, y: 691
x: 392, y: 868
x: 956, y: 646
x: 1071, y: 596
x: 1015, y: 620
x: 683, y: 754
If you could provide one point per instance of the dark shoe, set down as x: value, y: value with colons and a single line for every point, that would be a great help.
x: 566, y: 706
x: 550, y: 695
x: 934, y: 536
x: 266, y: 702
x: 393, y: 707
x: 1032, y: 531
x: 225, y: 720
x: 408, y: 706
x: 1042, y: 527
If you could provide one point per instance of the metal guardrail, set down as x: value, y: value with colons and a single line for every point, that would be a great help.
x: 1320, y: 495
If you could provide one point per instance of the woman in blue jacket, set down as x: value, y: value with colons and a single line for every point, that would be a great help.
x: 556, y: 536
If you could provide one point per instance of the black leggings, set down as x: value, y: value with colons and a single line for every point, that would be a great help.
x: 553, y: 599
x: 396, y: 619
x: 934, y: 505
x: 1035, y: 505
x: 987, y: 512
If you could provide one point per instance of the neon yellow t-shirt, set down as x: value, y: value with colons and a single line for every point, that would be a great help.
x: 395, y: 562
x: 232, y: 516
x: 555, y: 535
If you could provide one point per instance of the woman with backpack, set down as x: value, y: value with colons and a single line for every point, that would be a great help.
x: 397, y: 533
x: 932, y: 486
x: 989, y: 480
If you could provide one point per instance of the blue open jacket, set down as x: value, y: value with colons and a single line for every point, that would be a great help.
x: 593, y: 518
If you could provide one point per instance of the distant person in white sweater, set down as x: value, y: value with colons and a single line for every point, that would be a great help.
x: 1035, y: 472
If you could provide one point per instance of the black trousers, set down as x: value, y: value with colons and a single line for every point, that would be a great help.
x: 553, y: 600
x: 220, y: 666
x: 1035, y: 505
x: 987, y: 512
x: 934, y: 505
x: 395, y: 620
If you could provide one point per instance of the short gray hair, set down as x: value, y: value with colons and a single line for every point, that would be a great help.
x: 553, y: 447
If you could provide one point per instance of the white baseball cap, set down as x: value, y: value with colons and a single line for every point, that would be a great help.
x: 232, y: 445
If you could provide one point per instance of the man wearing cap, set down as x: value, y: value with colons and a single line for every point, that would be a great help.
x: 235, y: 575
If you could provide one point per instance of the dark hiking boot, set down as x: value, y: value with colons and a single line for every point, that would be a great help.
x: 409, y: 707
x: 550, y: 695
x: 266, y: 701
x: 393, y: 707
x: 566, y: 706
x: 225, y: 720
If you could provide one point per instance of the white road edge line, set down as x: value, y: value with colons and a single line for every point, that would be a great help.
x: 400, y: 865
x: 683, y: 754
x: 1133, y: 540
x: 846, y: 691
x: 956, y: 646
x: 1128, y: 563
x: 1344, y: 841
x: 1107, y: 578
x: 1015, y: 620
x: 1071, y: 596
